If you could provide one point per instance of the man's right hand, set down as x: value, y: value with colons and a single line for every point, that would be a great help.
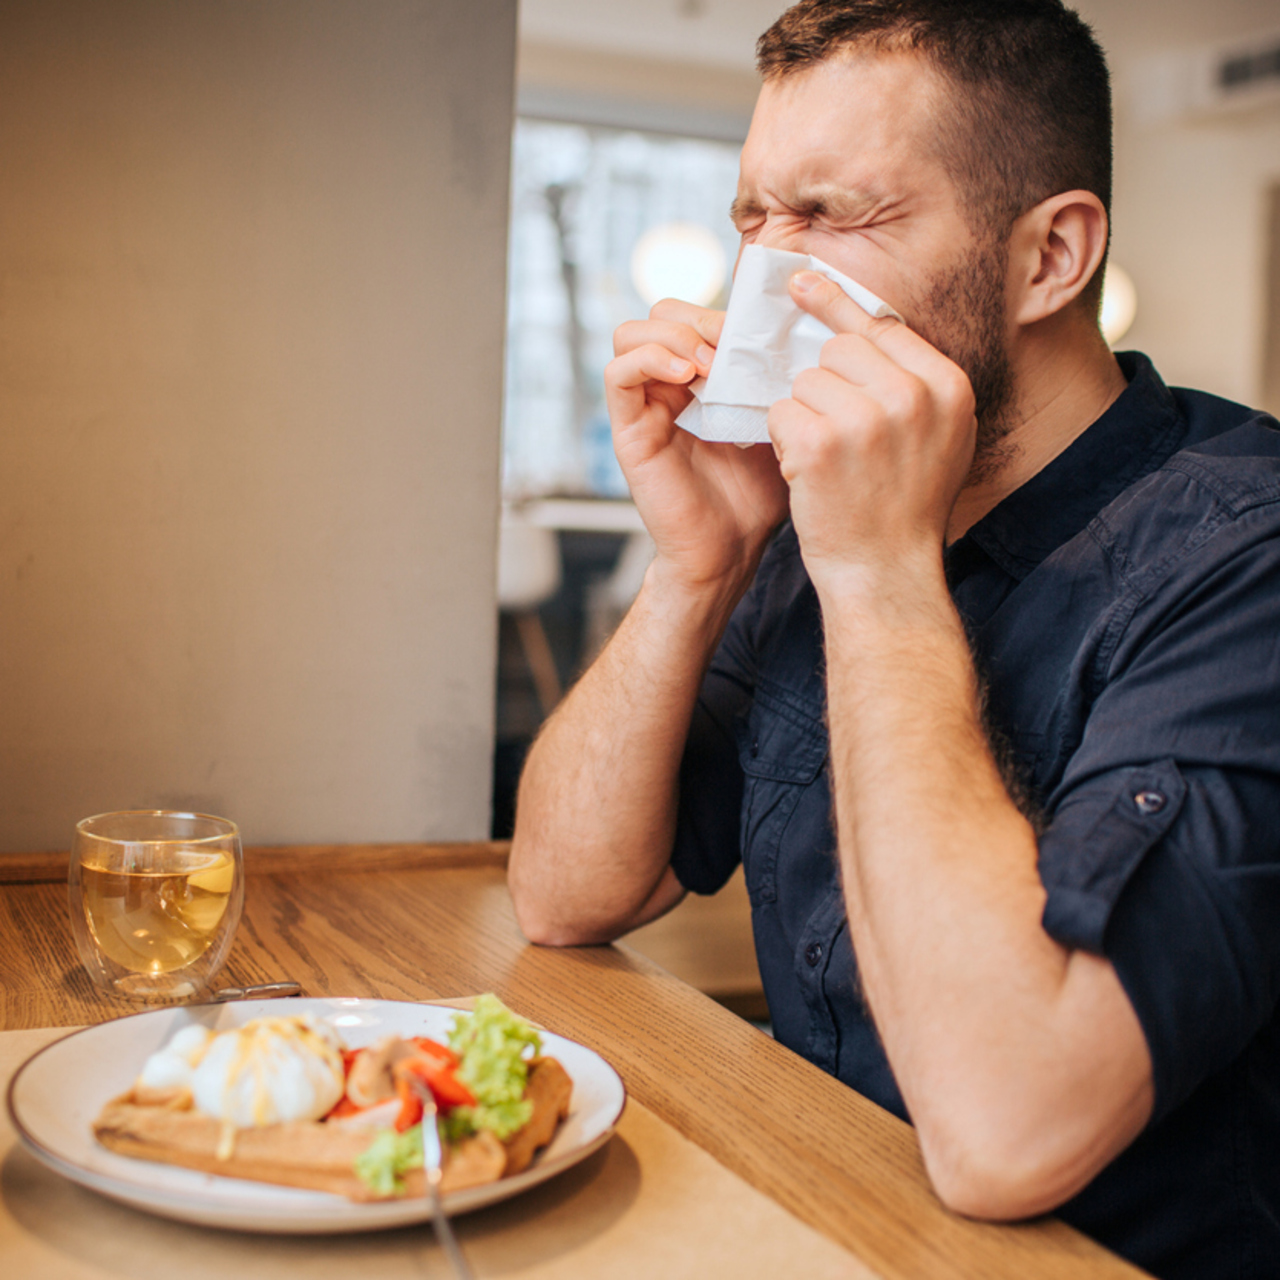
x: 708, y: 507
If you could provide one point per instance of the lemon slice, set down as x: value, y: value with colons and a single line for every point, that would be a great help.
x: 216, y: 879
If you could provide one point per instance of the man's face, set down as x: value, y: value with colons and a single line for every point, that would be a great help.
x: 840, y: 163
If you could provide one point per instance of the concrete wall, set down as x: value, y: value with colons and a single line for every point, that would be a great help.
x: 252, y: 261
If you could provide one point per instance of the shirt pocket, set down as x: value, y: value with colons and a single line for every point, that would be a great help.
x: 782, y: 747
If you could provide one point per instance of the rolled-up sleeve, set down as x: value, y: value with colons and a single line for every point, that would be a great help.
x: 1163, y: 847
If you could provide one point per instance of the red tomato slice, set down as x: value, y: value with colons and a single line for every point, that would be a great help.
x: 410, y: 1104
x: 434, y: 1049
x: 439, y: 1076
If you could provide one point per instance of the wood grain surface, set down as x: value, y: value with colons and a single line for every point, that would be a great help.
x: 420, y: 922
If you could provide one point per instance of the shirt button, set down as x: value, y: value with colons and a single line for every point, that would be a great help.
x: 755, y: 747
x: 813, y: 953
x: 1149, y: 801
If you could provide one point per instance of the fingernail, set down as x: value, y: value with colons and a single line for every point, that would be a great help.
x: 803, y: 281
x: 704, y: 354
x: 680, y: 367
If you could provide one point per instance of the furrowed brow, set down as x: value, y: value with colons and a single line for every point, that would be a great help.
x: 839, y: 204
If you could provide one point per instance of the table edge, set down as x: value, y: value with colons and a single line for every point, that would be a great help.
x: 52, y: 866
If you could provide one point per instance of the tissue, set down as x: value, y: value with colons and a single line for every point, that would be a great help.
x: 766, y: 341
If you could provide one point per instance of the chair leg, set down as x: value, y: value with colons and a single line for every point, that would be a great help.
x: 542, y: 665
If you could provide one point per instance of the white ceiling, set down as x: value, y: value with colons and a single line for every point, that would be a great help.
x: 724, y: 32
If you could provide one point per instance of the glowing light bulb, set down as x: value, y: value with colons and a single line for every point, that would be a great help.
x: 678, y: 260
x: 1119, y: 304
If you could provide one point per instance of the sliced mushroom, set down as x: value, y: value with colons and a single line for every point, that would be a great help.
x: 369, y: 1081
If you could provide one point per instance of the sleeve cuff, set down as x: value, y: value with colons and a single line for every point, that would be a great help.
x: 1096, y: 841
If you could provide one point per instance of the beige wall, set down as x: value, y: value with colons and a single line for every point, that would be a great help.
x: 252, y: 262
x: 1191, y: 193
x: 1191, y: 228
x: 1271, y: 338
x: 559, y: 81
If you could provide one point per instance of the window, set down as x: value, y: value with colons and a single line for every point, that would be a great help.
x: 582, y: 198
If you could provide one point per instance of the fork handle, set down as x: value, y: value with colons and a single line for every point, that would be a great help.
x: 448, y: 1241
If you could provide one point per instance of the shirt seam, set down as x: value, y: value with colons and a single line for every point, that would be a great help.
x: 803, y: 713
x: 1142, y: 582
x: 1236, y: 502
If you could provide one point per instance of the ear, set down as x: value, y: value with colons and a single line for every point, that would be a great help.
x: 1054, y: 251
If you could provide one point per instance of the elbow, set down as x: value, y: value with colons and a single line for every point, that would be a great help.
x: 543, y: 929
x: 539, y: 909
x: 537, y: 922
x: 999, y: 1179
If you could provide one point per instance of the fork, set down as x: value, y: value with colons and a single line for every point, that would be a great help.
x: 432, y: 1167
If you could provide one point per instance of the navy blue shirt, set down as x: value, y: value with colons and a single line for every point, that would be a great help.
x: 1123, y: 608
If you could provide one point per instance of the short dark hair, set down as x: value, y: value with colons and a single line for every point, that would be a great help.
x: 1029, y: 83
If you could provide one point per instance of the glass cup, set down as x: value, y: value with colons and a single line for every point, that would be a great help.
x: 155, y: 900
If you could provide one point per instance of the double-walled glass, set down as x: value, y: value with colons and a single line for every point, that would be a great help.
x: 155, y: 900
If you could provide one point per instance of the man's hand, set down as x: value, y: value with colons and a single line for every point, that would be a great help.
x: 875, y: 443
x: 708, y: 507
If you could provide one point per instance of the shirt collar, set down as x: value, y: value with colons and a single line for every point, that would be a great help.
x: 1132, y: 438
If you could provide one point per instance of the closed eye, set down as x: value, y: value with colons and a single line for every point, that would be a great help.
x: 746, y: 215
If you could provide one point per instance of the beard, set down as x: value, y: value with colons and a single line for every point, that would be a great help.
x: 962, y: 314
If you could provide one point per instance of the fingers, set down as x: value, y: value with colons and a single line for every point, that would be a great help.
x: 686, y: 329
x: 807, y: 439
x: 648, y: 373
x: 708, y: 324
x: 655, y: 359
x: 905, y: 370
x: 827, y: 301
x: 652, y: 362
x: 677, y: 339
x: 853, y: 368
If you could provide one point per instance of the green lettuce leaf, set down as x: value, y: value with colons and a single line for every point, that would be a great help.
x: 494, y: 1046
x: 390, y: 1156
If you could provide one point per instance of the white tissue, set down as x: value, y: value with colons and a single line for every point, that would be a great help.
x: 766, y: 341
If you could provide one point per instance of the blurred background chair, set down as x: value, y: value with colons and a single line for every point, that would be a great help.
x: 529, y: 574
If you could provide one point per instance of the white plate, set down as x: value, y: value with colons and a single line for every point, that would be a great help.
x: 57, y: 1093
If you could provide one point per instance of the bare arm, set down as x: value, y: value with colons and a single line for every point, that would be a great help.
x: 597, y: 802
x: 1022, y: 1064
x: 595, y: 816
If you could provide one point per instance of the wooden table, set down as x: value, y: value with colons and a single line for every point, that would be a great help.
x: 418, y: 922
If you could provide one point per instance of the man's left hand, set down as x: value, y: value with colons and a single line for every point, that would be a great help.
x: 875, y: 443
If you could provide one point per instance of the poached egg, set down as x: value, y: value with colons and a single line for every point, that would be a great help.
x: 269, y: 1071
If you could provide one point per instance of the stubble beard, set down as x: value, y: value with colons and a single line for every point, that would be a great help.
x: 963, y: 316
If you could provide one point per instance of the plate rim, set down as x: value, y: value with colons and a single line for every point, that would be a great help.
x: 383, y: 1214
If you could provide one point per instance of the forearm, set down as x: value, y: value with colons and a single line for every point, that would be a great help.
x: 989, y: 1024
x: 596, y: 811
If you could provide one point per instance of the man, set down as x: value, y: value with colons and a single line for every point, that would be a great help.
x: 992, y: 721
